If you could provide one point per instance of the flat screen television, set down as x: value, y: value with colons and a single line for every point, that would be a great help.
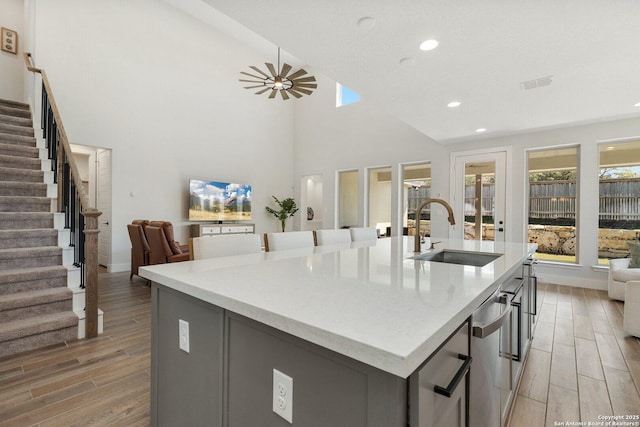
x: 219, y: 201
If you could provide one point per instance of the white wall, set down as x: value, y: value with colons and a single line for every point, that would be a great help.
x: 12, y: 66
x: 358, y: 136
x: 161, y: 90
x: 586, y: 273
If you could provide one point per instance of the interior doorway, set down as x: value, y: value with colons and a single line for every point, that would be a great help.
x: 94, y: 166
x: 478, y: 196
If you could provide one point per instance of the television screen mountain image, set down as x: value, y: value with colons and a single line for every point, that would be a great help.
x: 219, y: 201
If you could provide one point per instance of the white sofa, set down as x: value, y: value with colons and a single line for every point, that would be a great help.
x: 619, y: 275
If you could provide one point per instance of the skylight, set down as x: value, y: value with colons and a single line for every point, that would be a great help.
x: 345, y: 96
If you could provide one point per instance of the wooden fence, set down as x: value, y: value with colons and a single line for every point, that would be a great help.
x: 619, y: 199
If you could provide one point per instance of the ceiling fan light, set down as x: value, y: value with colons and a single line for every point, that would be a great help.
x: 280, y: 80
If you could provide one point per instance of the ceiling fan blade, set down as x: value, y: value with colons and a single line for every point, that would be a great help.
x: 285, y: 70
x: 253, y: 87
x: 260, y: 92
x: 300, y: 72
x: 272, y: 69
x: 273, y: 93
x: 284, y: 94
x: 307, y: 85
x: 251, y: 81
x: 251, y: 75
x: 304, y: 79
x: 302, y: 90
x: 253, y: 67
x: 294, y: 93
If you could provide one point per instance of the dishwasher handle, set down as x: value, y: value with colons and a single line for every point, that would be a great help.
x: 482, y: 331
x: 462, y: 371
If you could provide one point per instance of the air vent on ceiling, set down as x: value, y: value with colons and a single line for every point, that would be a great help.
x: 536, y: 83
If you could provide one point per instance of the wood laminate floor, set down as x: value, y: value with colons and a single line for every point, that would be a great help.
x: 102, y: 381
x: 581, y: 365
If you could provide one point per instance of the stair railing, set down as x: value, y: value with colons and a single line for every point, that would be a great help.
x: 80, y: 217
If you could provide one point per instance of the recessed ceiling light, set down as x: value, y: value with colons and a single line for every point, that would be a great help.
x: 454, y: 104
x: 366, y: 22
x: 637, y: 105
x: 480, y: 130
x: 610, y: 148
x: 429, y: 44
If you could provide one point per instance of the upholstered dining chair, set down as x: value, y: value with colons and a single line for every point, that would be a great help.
x: 224, y: 245
x: 363, y: 234
x: 288, y: 240
x: 332, y: 237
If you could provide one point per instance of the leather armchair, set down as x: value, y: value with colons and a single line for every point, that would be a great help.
x: 163, y: 247
x: 139, y: 245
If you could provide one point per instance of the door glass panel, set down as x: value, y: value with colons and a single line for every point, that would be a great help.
x: 479, y: 196
x: 479, y: 189
x: 619, y: 221
x: 553, y: 183
x: 348, y: 199
x: 416, y: 188
x: 379, y: 198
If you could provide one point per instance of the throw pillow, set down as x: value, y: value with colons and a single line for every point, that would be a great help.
x: 634, y: 251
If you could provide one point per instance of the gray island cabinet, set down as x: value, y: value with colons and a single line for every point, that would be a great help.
x: 364, y: 333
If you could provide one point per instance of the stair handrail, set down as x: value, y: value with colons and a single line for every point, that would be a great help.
x: 87, y: 239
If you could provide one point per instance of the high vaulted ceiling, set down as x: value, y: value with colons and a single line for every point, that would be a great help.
x: 496, y: 57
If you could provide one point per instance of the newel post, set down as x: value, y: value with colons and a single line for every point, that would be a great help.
x: 91, y: 264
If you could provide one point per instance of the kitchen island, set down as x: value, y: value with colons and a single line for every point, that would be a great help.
x: 349, y: 324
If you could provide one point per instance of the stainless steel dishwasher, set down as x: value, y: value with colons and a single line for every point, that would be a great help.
x: 491, y: 349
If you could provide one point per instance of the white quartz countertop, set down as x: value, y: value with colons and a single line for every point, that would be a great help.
x: 367, y: 301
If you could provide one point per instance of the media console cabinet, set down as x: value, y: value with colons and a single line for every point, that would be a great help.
x: 199, y: 230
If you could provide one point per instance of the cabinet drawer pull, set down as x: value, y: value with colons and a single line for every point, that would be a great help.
x: 457, y: 377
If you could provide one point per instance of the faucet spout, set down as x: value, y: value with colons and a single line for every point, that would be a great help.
x: 452, y: 221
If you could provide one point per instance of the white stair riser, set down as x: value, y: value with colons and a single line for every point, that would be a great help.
x: 58, y: 221
x: 81, y: 323
x: 73, y: 277
x: 52, y: 191
x: 63, y: 237
x: 67, y: 256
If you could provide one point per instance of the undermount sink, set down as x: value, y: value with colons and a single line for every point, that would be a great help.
x: 476, y: 259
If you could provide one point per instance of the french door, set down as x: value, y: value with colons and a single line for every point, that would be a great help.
x: 478, y: 195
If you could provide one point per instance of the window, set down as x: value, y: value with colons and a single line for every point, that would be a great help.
x: 380, y: 199
x: 619, y: 188
x: 553, y: 189
x: 416, y: 184
x: 345, y: 96
x: 348, y: 199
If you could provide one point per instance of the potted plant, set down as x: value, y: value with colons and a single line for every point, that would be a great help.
x: 287, y: 208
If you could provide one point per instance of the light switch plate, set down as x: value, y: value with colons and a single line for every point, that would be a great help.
x: 183, y: 327
x: 283, y: 395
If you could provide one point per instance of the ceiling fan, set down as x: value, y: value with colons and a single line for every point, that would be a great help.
x: 280, y: 81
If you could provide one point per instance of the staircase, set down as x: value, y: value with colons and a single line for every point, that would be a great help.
x: 36, y: 305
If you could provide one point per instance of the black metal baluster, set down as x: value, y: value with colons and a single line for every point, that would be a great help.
x: 80, y: 249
